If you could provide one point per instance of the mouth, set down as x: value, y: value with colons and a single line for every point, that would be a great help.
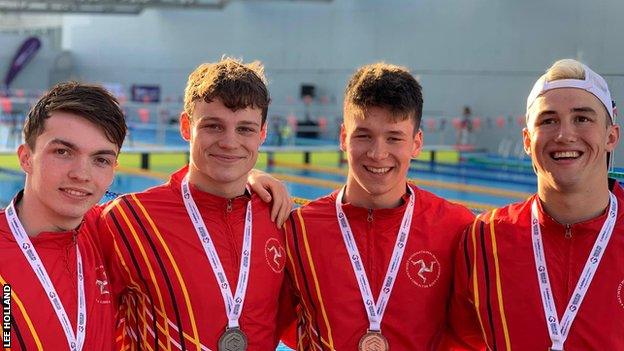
x: 378, y: 170
x: 226, y: 158
x: 76, y: 193
x: 565, y: 155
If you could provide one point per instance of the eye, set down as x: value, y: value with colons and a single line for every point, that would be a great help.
x: 546, y: 121
x: 583, y: 119
x: 246, y: 130
x: 394, y: 139
x: 212, y: 127
x: 361, y: 136
x: 103, y: 161
x: 62, y: 152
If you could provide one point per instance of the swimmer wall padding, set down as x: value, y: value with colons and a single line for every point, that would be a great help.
x: 24, y: 54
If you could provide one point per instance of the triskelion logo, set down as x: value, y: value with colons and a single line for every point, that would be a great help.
x: 423, y: 269
x: 620, y: 293
x: 102, y: 282
x: 275, y: 255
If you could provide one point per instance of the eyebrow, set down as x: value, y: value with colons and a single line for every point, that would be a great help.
x: 217, y: 119
x: 585, y: 109
x: 393, y: 132
x: 75, y: 147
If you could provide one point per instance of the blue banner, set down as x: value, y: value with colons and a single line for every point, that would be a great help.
x: 23, y: 55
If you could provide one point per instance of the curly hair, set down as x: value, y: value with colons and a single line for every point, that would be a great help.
x: 235, y: 84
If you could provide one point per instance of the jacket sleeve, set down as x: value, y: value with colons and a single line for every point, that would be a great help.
x: 464, y: 330
x: 287, y: 315
x: 108, y: 234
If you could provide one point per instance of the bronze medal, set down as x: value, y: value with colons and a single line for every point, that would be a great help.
x: 233, y: 339
x: 373, y: 341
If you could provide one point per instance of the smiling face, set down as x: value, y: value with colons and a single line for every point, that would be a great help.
x: 68, y: 171
x: 379, y: 150
x: 224, y: 146
x: 568, y: 137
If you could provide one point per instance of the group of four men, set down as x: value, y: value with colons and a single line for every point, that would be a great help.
x: 203, y: 263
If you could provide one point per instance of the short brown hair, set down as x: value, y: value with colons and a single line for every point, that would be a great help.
x: 386, y: 86
x: 91, y: 102
x: 236, y: 85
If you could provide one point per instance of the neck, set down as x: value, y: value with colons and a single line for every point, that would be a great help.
x: 36, y: 218
x: 574, y: 207
x: 359, y: 197
x: 227, y: 190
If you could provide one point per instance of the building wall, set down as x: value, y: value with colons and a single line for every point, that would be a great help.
x: 35, y: 75
x: 481, y: 53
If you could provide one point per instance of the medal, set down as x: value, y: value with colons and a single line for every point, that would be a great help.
x: 233, y: 339
x: 373, y: 341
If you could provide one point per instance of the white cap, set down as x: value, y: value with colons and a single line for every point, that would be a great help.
x: 592, y: 83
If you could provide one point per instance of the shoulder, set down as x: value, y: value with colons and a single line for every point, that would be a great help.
x: 440, y: 208
x: 321, y: 208
x: 512, y: 214
x: 159, y: 194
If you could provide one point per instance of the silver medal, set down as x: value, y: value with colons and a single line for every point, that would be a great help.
x: 233, y: 339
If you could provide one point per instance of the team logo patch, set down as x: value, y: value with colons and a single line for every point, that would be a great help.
x: 620, y: 293
x: 101, y: 281
x: 275, y: 255
x: 423, y: 269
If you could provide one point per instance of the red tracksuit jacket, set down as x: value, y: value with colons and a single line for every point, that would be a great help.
x: 35, y: 324
x: 332, y: 315
x: 169, y: 294
x: 497, y: 276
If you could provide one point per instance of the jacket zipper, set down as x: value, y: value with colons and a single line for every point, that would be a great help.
x: 228, y: 210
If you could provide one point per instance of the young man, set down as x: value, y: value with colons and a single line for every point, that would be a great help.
x: 197, y: 260
x: 547, y: 274
x: 372, y: 263
x: 55, y: 289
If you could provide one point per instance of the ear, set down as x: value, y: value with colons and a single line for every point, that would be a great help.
x: 526, y: 141
x: 613, y: 137
x: 24, y: 155
x: 185, y: 126
x: 417, y: 144
x: 343, y: 137
x: 263, y: 133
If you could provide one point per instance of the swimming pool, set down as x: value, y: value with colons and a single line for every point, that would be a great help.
x: 310, y: 182
x: 464, y: 185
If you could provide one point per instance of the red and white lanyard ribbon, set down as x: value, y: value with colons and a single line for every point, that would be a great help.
x: 233, y: 304
x: 375, y: 310
x: 559, y: 331
x: 75, y: 341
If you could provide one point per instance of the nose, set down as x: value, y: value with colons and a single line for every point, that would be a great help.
x: 228, y: 140
x: 80, y: 170
x: 377, y: 151
x: 566, y: 132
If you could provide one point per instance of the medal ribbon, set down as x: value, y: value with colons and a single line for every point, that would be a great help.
x: 375, y: 310
x: 233, y: 304
x: 559, y: 331
x: 75, y: 341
